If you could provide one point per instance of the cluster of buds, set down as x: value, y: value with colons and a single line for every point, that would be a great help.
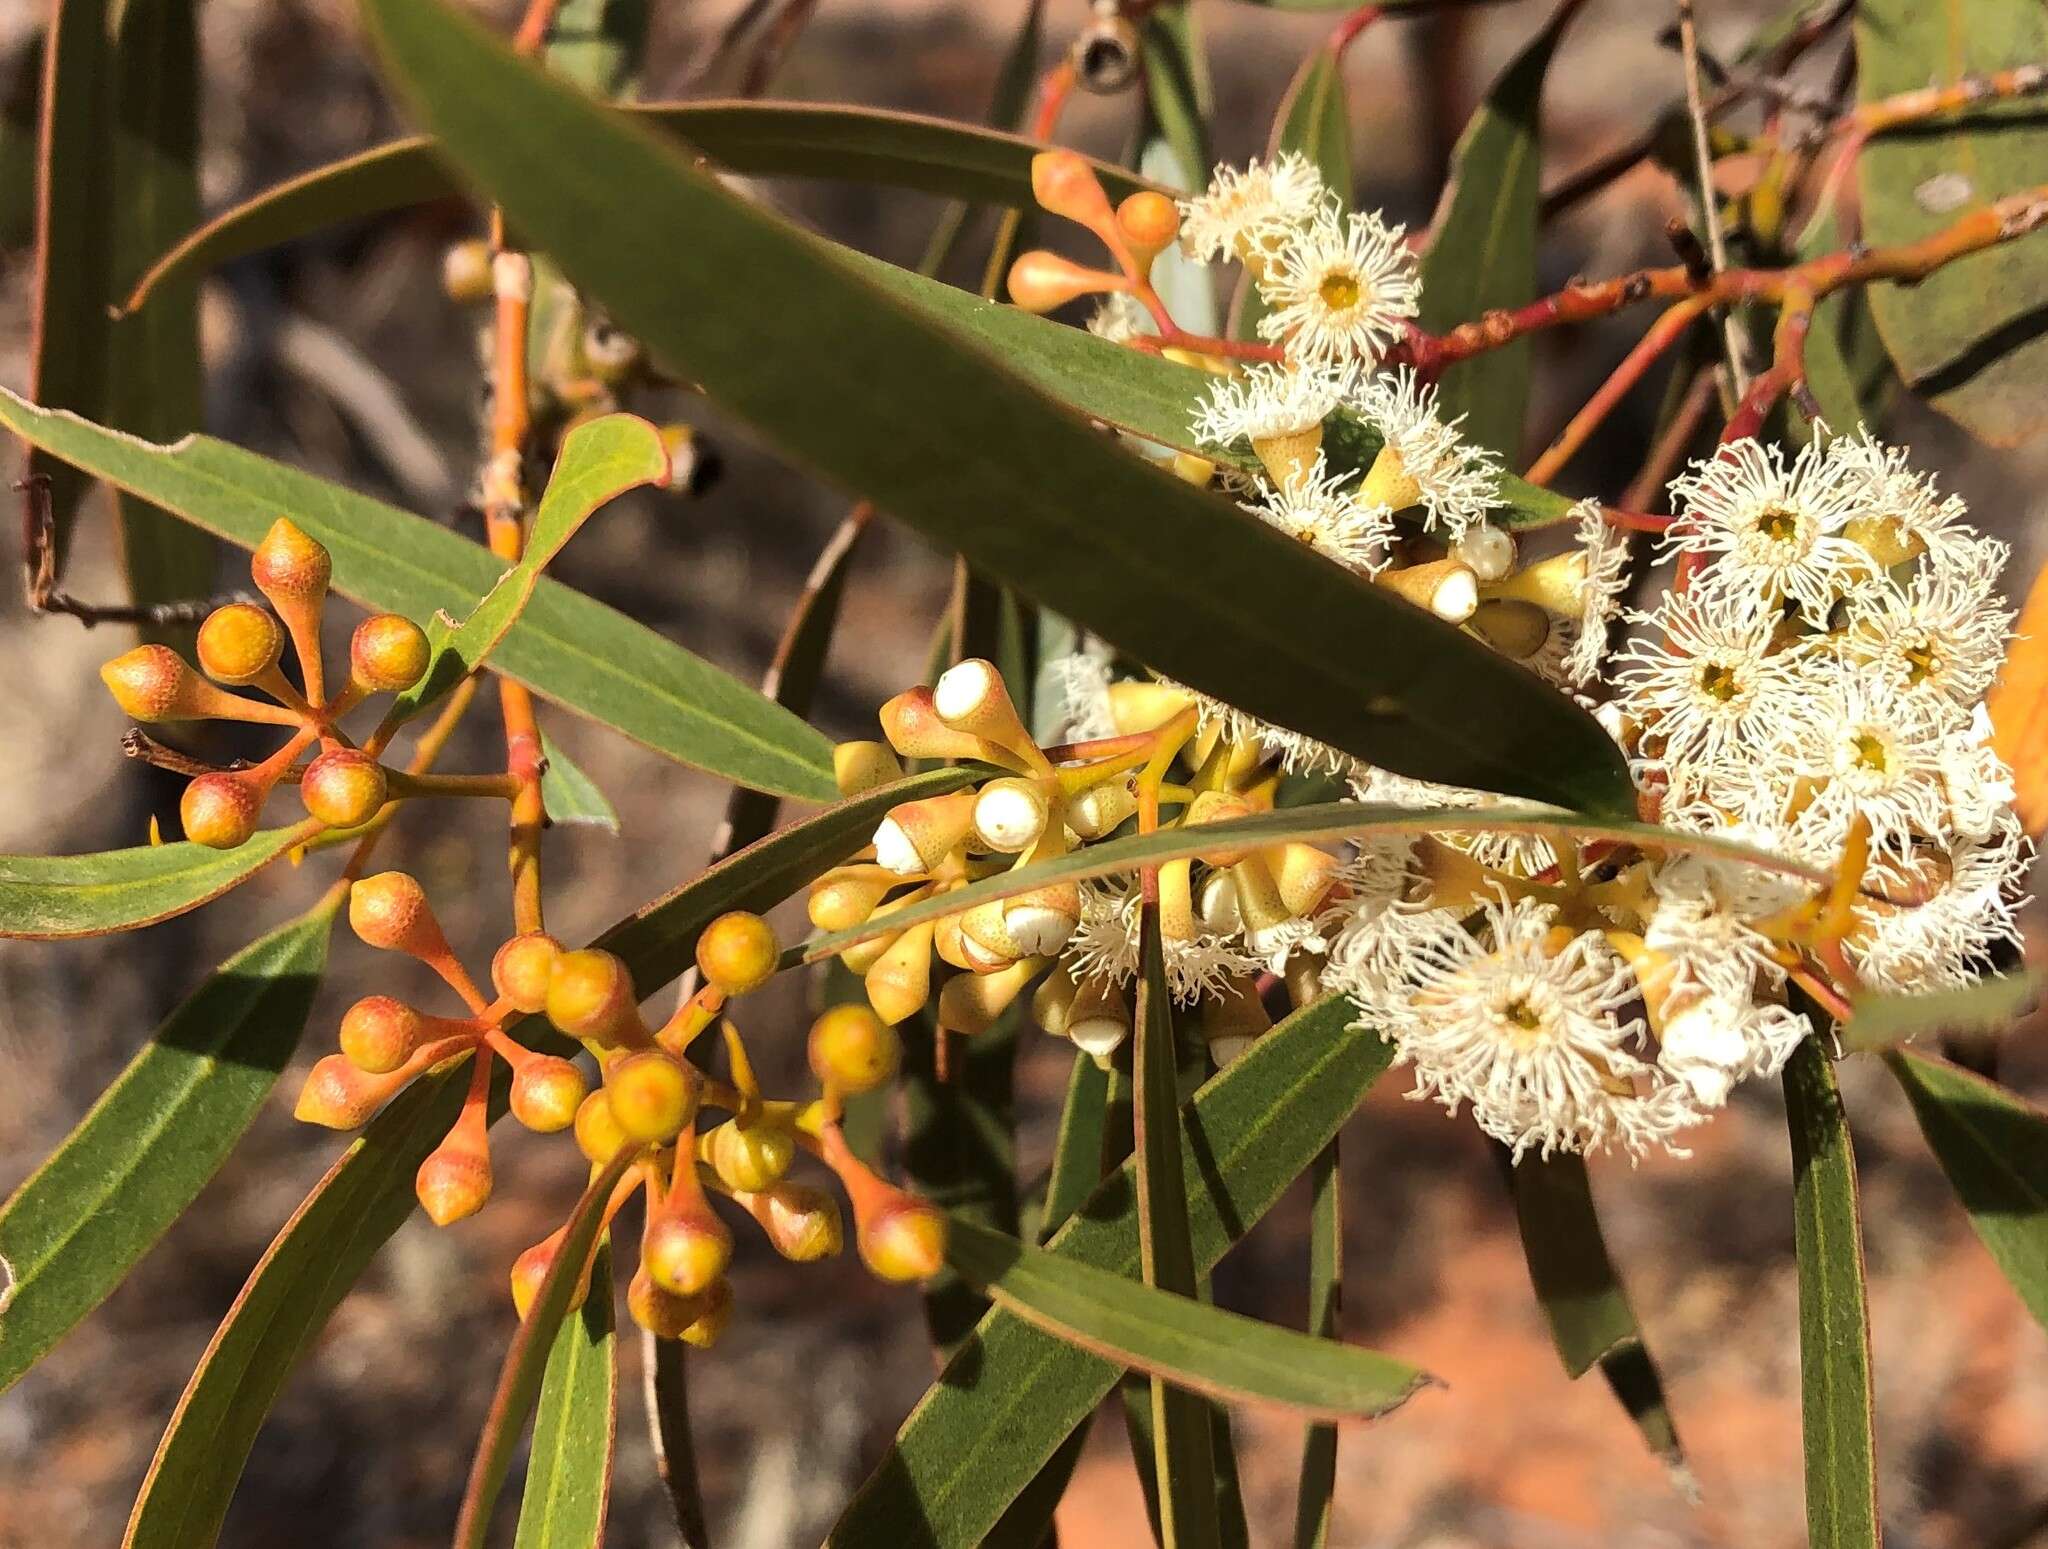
x: 240, y: 646
x: 651, y: 1098
x: 1227, y: 916
x: 580, y: 364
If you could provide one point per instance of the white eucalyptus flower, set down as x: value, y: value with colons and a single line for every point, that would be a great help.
x: 1339, y: 289
x: 1079, y: 682
x: 1771, y: 529
x: 1604, y: 552
x: 1106, y: 944
x: 1522, y: 854
x: 1949, y: 939
x: 1867, y: 751
x: 1425, y: 462
x: 1267, y: 403
x: 1246, y: 213
x: 1900, y: 515
x: 1710, y: 1042
x: 1942, y: 634
x: 1325, y: 511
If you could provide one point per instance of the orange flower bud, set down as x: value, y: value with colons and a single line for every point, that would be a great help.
x: 900, y: 980
x: 853, y: 1050
x: 523, y: 968
x: 714, y: 1313
x: 153, y: 683
x: 738, y: 952
x: 598, y: 1135
x: 343, y: 787
x: 239, y: 643
x: 912, y: 725
x: 653, y: 1095
x: 455, y: 1179
x: 903, y: 1239
x: 339, y: 1096
x: 971, y: 1003
x: 547, y: 1093
x: 1041, y: 281
x: 800, y: 1221
x: 290, y: 565
x: 390, y: 911
x: 1150, y: 222
x: 917, y: 835
x: 663, y: 1314
x: 221, y: 810
x: 862, y: 766
x: 685, y: 1250
x: 388, y: 654
x: 1064, y: 183
x: 379, y: 1034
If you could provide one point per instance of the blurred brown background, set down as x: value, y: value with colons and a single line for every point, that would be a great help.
x: 339, y: 353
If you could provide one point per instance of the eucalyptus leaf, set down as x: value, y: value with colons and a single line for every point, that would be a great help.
x: 57, y: 897
x: 575, y: 1426
x: 1877, y: 1021
x: 570, y: 795
x: 940, y: 434
x: 115, y: 1184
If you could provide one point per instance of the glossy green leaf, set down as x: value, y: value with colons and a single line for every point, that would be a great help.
x: 1198, y: 1347
x: 1878, y: 1021
x: 1314, y: 1495
x: 565, y: 646
x: 301, y: 1278
x: 527, y: 1361
x: 117, y: 1182
x: 56, y: 897
x: 1834, y: 1318
x: 570, y: 795
x: 1184, y: 1447
x: 1968, y: 337
x: 600, y: 460
x: 368, y: 1193
x: 153, y: 370
x: 569, y: 1470
x: 1014, y: 1393
x: 1993, y: 1146
x: 1330, y: 820
x: 940, y: 434
x: 761, y: 139
x: 1482, y: 251
x: 1583, y: 1299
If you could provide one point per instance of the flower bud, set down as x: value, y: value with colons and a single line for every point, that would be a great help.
x: 598, y: 1135
x: 663, y: 1314
x: 900, y: 980
x: 685, y: 1251
x: 862, y: 766
x: 1554, y: 584
x: 844, y: 898
x: 221, y: 810
x: 591, y: 995
x: 970, y: 696
x: 800, y: 1221
x: 653, y: 1095
x: 1515, y: 629
x: 1303, y: 874
x: 1444, y: 587
x: 290, y: 566
x: 738, y: 952
x: 1064, y: 183
x: 466, y: 271
x: 1097, y: 811
x: 388, y: 653
x: 972, y: 1003
x: 749, y: 1156
x: 1099, y: 1020
x: 379, y: 1034
x: 343, y: 787
x: 1216, y: 905
x: 1232, y: 1019
x: 1886, y: 539
x: 1150, y: 223
x: 455, y: 1179
x: 1041, y: 921
x: 714, y: 1313
x: 390, y: 911
x: 547, y: 1093
x: 1010, y: 814
x: 903, y: 1239
x: 917, y: 835
x: 852, y: 1049
x: 523, y: 968
x: 1040, y: 281
x: 987, y: 940
x: 1488, y: 551
x: 914, y: 729
x: 1138, y: 706
x: 153, y: 683
x: 239, y: 643
x: 1053, y: 1002
x: 1219, y: 807
x: 339, y: 1096
x: 1264, y: 912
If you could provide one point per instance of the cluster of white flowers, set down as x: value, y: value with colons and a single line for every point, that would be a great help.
x: 1811, y: 686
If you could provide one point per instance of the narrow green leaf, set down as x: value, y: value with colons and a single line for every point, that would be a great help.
x: 301, y: 1278
x: 760, y: 139
x: 1013, y: 1393
x: 940, y: 434
x: 55, y: 897
x: 1967, y: 337
x: 1184, y: 1451
x: 1993, y: 1146
x: 1482, y: 253
x: 600, y: 460
x: 1313, y: 1499
x: 1198, y: 1347
x: 569, y: 1470
x: 1327, y: 821
x: 526, y: 1362
x: 1583, y: 1299
x: 116, y: 1183
x: 21, y: 83
x: 565, y: 646
x: 570, y: 795
x: 1177, y: 91
x: 153, y: 372
x: 1834, y: 1318
x: 368, y: 1193
x: 1878, y: 1021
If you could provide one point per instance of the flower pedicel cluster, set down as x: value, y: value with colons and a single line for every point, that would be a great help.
x: 1575, y: 994
x: 651, y: 1096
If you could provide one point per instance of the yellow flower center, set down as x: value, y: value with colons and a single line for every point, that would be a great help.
x: 1718, y: 681
x: 1340, y: 291
x: 1778, y: 523
x: 1869, y: 751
